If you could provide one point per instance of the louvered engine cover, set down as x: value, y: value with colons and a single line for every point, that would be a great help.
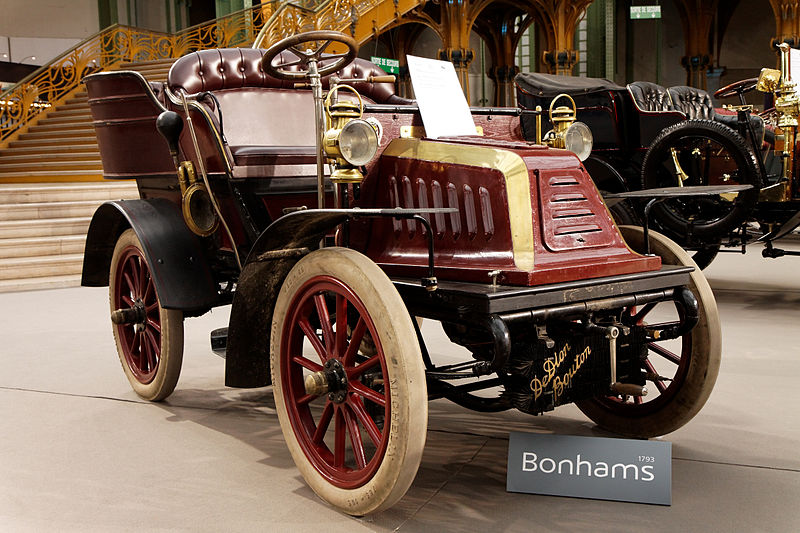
x: 528, y: 211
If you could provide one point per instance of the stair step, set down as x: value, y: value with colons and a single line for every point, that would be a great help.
x: 37, y: 246
x: 59, y: 192
x: 74, y: 131
x: 40, y: 266
x: 65, y: 149
x: 74, y: 112
x: 64, y: 128
x: 58, y: 119
x: 55, y: 142
x: 11, y: 229
x: 48, y: 210
x: 44, y: 175
x: 51, y: 166
x: 43, y: 156
x: 46, y: 282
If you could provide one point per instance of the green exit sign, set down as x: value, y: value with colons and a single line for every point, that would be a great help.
x: 392, y: 66
x: 645, y: 12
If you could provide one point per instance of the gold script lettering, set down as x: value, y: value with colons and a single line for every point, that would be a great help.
x: 559, y: 381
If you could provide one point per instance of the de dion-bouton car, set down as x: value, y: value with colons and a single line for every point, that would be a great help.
x: 293, y: 184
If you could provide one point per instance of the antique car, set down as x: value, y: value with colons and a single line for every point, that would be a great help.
x: 648, y: 136
x: 294, y: 185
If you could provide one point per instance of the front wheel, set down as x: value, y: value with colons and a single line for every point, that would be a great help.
x: 349, y: 382
x: 150, y: 338
x: 680, y: 372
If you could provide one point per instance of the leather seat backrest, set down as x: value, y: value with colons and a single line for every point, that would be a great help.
x: 234, y: 68
x: 650, y: 96
x: 236, y: 78
x: 693, y: 102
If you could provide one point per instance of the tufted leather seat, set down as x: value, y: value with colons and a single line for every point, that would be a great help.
x: 650, y: 96
x: 696, y: 104
x: 266, y: 121
x: 693, y: 102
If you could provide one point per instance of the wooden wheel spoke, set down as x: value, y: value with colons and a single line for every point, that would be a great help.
x: 154, y: 324
x: 341, y: 324
x: 643, y: 312
x: 355, y: 437
x: 142, y: 282
x: 149, y: 292
x: 354, y: 373
x: 130, y: 284
x: 325, y: 321
x: 322, y: 425
x: 136, y: 342
x: 339, y: 440
x: 306, y: 399
x: 312, y: 337
x: 153, y: 351
x: 666, y: 354
x: 127, y: 300
x: 355, y: 342
x: 659, y: 383
x: 307, y: 363
x: 361, y: 414
x: 372, y: 395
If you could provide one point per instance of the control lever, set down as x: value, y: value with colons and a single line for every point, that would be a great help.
x: 388, y: 78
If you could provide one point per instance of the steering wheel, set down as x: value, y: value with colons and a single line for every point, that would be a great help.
x: 285, y: 71
x: 738, y: 87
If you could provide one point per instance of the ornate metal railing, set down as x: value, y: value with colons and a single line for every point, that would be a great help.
x: 265, y: 23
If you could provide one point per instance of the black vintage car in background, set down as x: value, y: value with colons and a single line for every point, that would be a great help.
x: 647, y: 136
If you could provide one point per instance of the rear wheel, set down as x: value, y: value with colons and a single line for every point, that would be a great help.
x: 701, y: 152
x: 348, y: 380
x: 149, y: 338
x: 680, y: 372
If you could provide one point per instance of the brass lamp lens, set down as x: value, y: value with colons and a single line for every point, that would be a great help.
x: 358, y: 142
x: 578, y: 139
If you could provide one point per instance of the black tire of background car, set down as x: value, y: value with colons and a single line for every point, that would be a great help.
x: 674, y: 215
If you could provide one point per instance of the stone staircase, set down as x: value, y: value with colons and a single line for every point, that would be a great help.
x: 51, y: 182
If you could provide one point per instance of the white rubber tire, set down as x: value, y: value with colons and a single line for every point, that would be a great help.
x: 170, y: 338
x: 405, y: 373
x: 706, y: 350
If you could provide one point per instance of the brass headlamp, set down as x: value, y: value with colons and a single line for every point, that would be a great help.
x: 349, y: 140
x: 567, y: 132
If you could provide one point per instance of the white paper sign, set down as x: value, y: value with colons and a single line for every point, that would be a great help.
x: 444, y: 109
x: 794, y: 63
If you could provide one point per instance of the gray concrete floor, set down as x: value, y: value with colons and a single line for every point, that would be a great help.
x: 80, y: 452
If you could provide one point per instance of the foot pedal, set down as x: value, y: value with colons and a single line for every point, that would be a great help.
x: 219, y: 341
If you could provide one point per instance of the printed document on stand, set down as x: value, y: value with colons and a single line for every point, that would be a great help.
x: 444, y: 109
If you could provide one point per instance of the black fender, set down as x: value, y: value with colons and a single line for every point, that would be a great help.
x: 178, y: 263
x: 247, y: 352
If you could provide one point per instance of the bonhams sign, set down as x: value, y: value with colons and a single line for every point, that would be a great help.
x: 590, y: 467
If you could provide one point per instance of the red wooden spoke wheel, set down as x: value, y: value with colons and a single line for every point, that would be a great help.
x: 681, y: 372
x: 149, y: 338
x: 349, y: 381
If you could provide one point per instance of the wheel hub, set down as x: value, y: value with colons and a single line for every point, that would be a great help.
x: 332, y: 380
x: 136, y: 315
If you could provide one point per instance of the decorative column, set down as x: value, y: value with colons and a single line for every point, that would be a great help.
x: 697, y: 19
x: 498, y: 27
x: 787, y: 21
x: 559, y: 18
